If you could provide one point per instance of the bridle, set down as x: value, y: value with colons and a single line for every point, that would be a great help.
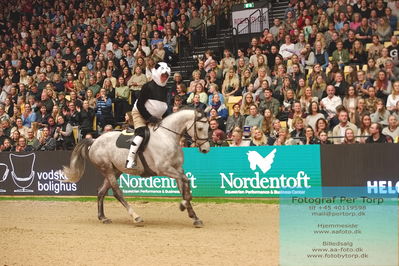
x: 194, y: 124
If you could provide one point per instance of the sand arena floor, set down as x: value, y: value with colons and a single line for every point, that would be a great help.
x: 68, y: 233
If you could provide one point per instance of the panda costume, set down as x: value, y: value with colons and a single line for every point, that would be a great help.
x: 149, y: 107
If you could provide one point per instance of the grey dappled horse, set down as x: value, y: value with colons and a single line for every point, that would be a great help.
x: 163, y: 154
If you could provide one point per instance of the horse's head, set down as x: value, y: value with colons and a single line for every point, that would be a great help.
x: 198, y: 130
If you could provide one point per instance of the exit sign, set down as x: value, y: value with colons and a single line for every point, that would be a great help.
x: 248, y: 5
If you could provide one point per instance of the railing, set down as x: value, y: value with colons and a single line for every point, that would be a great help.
x: 184, y: 52
x: 236, y: 31
x: 249, y: 20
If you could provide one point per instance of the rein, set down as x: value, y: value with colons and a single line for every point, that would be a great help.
x: 196, y: 138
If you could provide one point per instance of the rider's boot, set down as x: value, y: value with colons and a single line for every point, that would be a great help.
x: 131, y: 158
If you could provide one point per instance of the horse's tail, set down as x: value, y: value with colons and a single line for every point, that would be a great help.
x: 78, y: 161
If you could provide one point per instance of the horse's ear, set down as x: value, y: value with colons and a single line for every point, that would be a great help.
x: 198, y: 113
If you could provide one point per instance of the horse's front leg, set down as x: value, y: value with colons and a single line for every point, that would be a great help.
x: 184, y: 186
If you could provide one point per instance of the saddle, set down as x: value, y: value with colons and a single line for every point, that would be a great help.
x: 126, y: 137
x: 124, y: 141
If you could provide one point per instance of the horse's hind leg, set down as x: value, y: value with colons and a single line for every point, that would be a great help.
x: 184, y: 184
x: 102, y: 191
x: 119, y: 196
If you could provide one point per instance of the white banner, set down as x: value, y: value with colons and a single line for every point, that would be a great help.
x: 258, y: 22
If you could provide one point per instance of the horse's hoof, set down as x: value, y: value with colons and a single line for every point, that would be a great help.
x: 138, y: 221
x: 198, y: 224
x: 182, y: 207
x: 106, y: 221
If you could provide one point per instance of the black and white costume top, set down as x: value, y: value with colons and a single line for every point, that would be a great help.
x: 153, y: 96
x: 152, y: 100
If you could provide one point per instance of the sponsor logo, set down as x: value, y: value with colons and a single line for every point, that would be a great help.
x: 263, y: 184
x: 163, y: 185
x: 24, y: 176
x: 4, y: 175
x: 382, y: 187
x: 264, y: 164
x: 50, y: 182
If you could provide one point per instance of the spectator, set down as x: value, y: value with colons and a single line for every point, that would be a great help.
x: 181, y: 91
x: 393, y: 50
x: 341, y: 86
x: 63, y: 134
x: 196, y: 103
x: 231, y: 84
x: 296, y: 112
x: 2, y: 136
x: 31, y: 140
x: 323, y: 138
x: 376, y: 135
x: 237, y: 140
x: 339, y: 130
x: 341, y: 55
x: 269, y: 102
x: 392, y: 129
x: 121, y: 100
x: 364, y: 128
x: 383, y: 30
x: 195, y: 28
x: 254, y: 119
x: 330, y: 103
x: 320, y: 55
x: 364, y: 32
x: 86, y: 115
x: 309, y: 137
x: 236, y: 120
x: 306, y: 99
x: 22, y: 146
x: 228, y: 62
x: 108, y: 128
x: 3, y: 114
x: 23, y: 130
x: 381, y: 114
x: 104, y: 109
x: 267, y: 122
x: 287, y: 50
x: 313, y: 115
x: 258, y: 138
x: 71, y: 114
x: 135, y: 83
x: 218, y: 139
x: 283, y: 138
x: 199, y: 90
x: 196, y: 80
x: 382, y: 85
x: 47, y: 143
x: 349, y: 137
x: 217, y: 105
x: 6, y: 146
x: 350, y: 102
x: 381, y: 61
x: 213, y: 89
x: 392, y: 99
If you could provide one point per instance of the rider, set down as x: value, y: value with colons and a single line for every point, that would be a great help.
x: 149, y: 107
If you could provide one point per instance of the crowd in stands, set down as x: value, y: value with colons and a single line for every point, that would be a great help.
x: 71, y: 69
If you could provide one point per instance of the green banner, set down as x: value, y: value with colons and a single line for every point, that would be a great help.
x: 265, y: 171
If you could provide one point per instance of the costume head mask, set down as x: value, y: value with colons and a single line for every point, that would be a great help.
x: 158, y: 70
